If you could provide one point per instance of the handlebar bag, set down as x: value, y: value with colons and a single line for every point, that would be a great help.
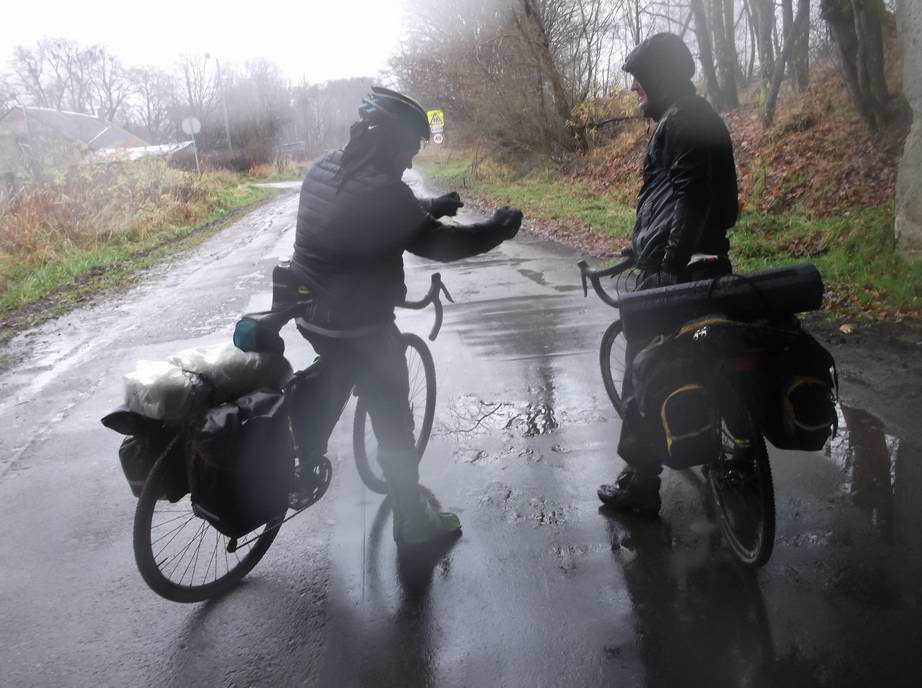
x: 239, y: 462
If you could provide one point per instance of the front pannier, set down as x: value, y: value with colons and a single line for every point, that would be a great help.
x: 239, y: 462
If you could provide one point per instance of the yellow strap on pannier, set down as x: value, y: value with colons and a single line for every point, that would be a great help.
x: 680, y: 390
x: 791, y: 423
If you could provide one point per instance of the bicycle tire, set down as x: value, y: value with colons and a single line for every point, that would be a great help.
x: 608, y: 349
x: 750, y: 551
x: 147, y: 560
x: 372, y: 478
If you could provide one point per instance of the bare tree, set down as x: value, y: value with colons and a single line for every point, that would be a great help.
x: 857, y: 27
x: 794, y: 30
x: 800, y: 59
x: 153, y: 94
x: 198, y: 85
x: 111, y: 85
x: 531, y: 26
x: 73, y: 67
x: 706, y: 53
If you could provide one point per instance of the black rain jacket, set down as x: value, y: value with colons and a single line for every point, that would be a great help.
x: 689, y: 194
x: 351, y: 237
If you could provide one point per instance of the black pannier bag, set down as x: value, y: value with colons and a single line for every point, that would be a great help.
x: 797, y: 409
x: 147, y: 441
x: 139, y: 453
x: 239, y: 462
x: 676, y: 403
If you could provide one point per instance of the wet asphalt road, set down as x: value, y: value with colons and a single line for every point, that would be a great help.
x: 542, y: 589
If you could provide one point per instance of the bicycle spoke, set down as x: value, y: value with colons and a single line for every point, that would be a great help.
x: 178, y: 528
x: 171, y: 520
x: 181, y: 554
x: 160, y: 551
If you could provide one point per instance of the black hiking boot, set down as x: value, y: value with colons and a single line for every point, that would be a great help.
x: 310, y: 482
x: 631, y: 494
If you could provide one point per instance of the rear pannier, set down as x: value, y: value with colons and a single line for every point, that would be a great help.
x: 239, y: 462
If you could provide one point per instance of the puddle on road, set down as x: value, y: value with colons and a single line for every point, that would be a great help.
x: 469, y: 415
x: 516, y: 506
x: 881, y: 473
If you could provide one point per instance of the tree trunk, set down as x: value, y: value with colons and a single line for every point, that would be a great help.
x: 800, y: 60
x: 856, y: 27
x: 706, y: 54
x: 909, y: 179
x: 531, y: 26
x: 763, y: 18
x: 750, y: 69
x: 725, y: 43
x: 793, y: 29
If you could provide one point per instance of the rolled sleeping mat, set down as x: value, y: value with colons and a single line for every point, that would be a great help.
x: 777, y: 291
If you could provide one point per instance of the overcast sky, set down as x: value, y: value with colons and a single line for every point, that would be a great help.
x: 318, y: 39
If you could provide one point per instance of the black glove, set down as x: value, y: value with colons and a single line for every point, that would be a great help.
x: 446, y: 204
x: 627, y: 251
x: 507, y: 220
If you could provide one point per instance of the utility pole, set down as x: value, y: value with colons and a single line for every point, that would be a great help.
x: 224, y: 107
x: 227, y: 135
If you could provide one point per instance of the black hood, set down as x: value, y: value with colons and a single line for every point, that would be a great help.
x: 664, y: 67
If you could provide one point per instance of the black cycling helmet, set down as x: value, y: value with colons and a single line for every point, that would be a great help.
x: 385, y: 107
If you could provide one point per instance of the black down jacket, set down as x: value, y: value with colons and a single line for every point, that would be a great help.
x: 689, y: 194
x: 350, y: 240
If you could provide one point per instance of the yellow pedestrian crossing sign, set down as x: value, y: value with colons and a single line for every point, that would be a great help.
x: 436, y: 119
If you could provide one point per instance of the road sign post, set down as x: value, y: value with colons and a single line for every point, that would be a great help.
x: 191, y: 126
x: 437, y: 125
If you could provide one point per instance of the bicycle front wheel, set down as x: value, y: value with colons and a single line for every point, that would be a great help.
x: 181, y: 556
x: 421, y: 371
x: 740, y: 483
x: 611, y: 361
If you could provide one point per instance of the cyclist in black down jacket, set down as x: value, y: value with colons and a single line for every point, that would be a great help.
x: 687, y: 203
x: 356, y: 218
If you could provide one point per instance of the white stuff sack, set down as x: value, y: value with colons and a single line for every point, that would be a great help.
x: 233, y: 372
x: 161, y: 390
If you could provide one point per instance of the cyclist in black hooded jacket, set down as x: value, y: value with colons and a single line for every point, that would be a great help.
x: 687, y: 203
x: 355, y: 220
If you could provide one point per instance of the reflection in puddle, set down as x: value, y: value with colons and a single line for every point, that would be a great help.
x: 517, y: 507
x: 469, y: 415
x: 882, y: 473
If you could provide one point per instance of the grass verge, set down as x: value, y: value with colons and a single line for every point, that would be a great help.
x: 856, y: 253
x: 36, y: 288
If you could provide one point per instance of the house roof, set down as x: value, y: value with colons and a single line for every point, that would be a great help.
x: 93, y: 132
x: 128, y: 154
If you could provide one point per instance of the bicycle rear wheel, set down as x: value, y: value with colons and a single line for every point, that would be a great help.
x: 422, y: 404
x: 181, y: 556
x: 740, y: 482
x: 611, y: 361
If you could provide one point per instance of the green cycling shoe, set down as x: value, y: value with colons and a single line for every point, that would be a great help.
x: 427, y: 527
